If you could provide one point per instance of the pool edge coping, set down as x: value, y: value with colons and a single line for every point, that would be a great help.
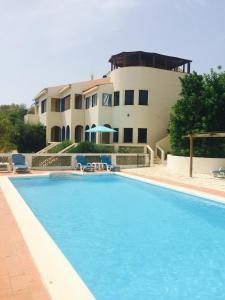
x: 58, y: 276
x: 178, y: 188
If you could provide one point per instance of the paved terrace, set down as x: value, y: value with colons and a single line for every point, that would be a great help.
x: 19, y: 277
x: 200, y: 182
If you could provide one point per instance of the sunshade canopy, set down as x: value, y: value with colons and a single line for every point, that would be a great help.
x: 100, y: 128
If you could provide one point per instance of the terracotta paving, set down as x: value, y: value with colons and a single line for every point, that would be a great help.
x: 19, y: 277
x: 180, y: 184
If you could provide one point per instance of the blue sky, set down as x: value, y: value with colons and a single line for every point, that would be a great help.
x: 50, y: 42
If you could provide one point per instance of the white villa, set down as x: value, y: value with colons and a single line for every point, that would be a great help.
x: 134, y: 98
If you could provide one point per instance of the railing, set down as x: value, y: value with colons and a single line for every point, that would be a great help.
x: 160, y: 153
x: 44, y: 150
x: 4, y: 157
x: 162, y: 148
x: 151, y: 155
x: 55, y: 161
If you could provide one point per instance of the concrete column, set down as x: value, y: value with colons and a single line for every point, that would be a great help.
x: 48, y: 134
x: 135, y: 135
x: 136, y: 97
x: 113, y: 159
x: 120, y: 141
x: 72, y: 132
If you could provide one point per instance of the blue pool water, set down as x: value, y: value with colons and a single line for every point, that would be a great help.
x: 129, y: 240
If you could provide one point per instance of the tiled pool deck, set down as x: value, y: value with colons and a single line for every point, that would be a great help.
x: 19, y: 277
x: 173, y: 183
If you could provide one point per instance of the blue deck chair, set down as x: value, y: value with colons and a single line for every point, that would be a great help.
x: 81, y: 162
x: 19, y: 164
x: 108, y: 164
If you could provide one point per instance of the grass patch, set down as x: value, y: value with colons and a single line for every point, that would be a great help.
x: 59, y: 147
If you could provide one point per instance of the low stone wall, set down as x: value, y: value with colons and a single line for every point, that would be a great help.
x: 200, y: 164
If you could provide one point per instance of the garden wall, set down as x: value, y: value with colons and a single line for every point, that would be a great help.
x: 200, y: 164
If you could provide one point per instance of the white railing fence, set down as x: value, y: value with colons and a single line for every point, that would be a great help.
x: 162, y: 147
x: 50, y: 146
x: 151, y: 155
x: 160, y: 153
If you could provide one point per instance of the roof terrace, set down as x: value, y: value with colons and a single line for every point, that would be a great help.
x: 148, y: 59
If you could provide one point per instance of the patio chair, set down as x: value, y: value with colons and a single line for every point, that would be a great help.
x: 19, y: 164
x: 82, y: 164
x: 219, y: 173
x: 108, y: 164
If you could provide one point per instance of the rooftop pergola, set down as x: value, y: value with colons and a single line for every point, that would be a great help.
x: 148, y: 59
x: 193, y: 136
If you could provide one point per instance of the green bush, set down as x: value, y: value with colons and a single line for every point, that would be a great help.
x: 29, y: 138
x: 60, y: 147
x: 201, y: 108
x: 15, y: 135
x: 88, y: 147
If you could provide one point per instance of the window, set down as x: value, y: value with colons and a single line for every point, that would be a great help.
x: 78, y: 134
x: 87, y: 102
x: 43, y: 106
x: 143, y: 97
x: 87, y: 134
x: 62, y: 104
x: 55, y: 104
x: 94, y: 100
x: 142, y: 135
x: 63, y: 133
x: 67, y: 102
x: 93, y: 135
x: 116, y: 98
x: 129, y: 97
x: 107, y: 99
x: 78, y: 101
x: 128, y: 135
x: 68, y: 132
x: 116, y: 135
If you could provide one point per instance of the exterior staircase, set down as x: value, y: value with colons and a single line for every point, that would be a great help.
x: 157, y: 160
x: 68, y: 148
x: 50, y: 160
x: 50, y: 146
x: 161, y: 149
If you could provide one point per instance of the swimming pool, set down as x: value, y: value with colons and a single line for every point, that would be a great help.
x: 132, y: 240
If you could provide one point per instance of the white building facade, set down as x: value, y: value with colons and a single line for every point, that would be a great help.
x: 135, y: 99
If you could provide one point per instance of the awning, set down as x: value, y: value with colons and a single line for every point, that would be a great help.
x: 100, y: 128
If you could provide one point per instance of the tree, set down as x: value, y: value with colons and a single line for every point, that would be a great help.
x: 29, y: 138
x: 6, y: 133
x: 14, y: 134
x: 201, y: 108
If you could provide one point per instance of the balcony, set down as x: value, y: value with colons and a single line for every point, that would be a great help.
x: 31, y: 119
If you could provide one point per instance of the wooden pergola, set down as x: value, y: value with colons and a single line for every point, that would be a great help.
x: 192, y: 136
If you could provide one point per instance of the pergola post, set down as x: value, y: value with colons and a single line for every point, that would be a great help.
x: 191, y: 137
x: 191, y: 155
